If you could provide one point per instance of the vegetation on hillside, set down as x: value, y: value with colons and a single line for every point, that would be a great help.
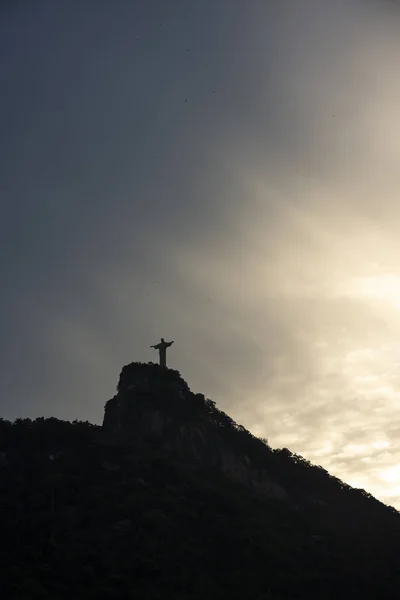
x: 85, y: 514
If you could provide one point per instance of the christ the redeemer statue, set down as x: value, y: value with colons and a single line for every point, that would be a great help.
x: 162, y: 348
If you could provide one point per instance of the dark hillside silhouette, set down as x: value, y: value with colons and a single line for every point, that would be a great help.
x: 172, y: 499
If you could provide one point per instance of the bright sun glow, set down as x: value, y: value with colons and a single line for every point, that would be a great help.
x: 391, y: 474
x: 383, y: 288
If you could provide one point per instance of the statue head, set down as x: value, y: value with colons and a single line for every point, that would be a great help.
x: 162, y: 339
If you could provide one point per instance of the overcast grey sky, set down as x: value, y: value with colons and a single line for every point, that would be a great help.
x: 223, y: 173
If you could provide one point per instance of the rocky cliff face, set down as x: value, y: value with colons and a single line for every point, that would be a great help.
x: 156, y: 403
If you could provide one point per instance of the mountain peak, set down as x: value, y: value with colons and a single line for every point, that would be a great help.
x: 156, y: 403
x: 171, y: 498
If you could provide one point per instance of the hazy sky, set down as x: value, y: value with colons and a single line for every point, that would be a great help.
x: 222, y: 173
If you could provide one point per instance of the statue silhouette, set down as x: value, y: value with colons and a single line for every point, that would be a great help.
x: 162, y: 348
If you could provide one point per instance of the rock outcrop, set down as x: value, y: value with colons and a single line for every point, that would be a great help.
x: 155, y: 402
